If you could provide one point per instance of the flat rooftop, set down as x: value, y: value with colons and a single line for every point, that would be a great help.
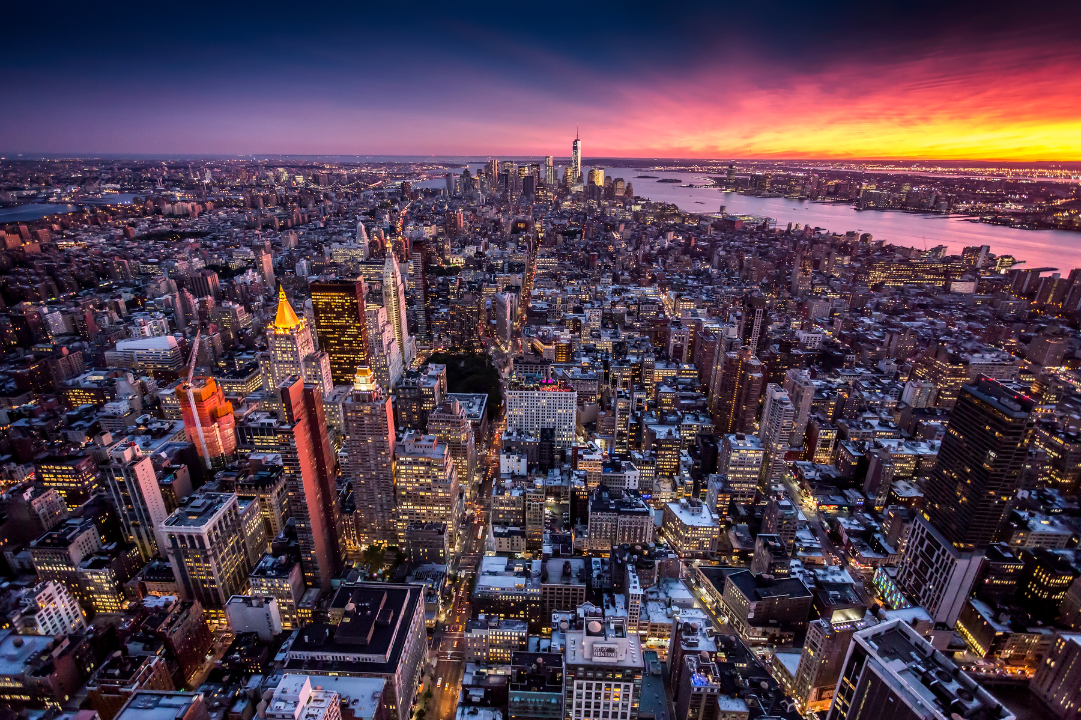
x: 157, y: 705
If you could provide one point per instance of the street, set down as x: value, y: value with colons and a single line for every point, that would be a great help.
x: 448, y: 641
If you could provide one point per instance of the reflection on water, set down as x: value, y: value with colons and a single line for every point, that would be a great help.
x: 1039, y: 248
x: 28, y: 213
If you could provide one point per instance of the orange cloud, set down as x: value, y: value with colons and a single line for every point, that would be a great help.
x: 987, y: 105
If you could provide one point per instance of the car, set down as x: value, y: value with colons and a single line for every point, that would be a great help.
x: 439, y: 683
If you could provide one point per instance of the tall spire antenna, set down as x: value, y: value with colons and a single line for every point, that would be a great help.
x: 576, y: 132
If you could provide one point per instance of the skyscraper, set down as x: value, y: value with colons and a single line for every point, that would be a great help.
x: 425, y: 483
x: 544, y: 406
x: 892, y: 672
x: 368, y: 426
x: 740, y: 387
x: 133, y: 488
x: 208, y: 420
x: 341, y: 323
x: 394, y: 300
x: 576, y: 159
x: 289, y: 340
x: 212, y: 541
x: 300, y: 437
x: 549, y: 171
x: 979, y: 464
x: 504, y: 306
x: 972, y: 484
x: 754, y: 324
x: 384, y: 356
x: 449, y: 423
x: 800, y: 389
x: 775, y: 430
x: 740, y: 460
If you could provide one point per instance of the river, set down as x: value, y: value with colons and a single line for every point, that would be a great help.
x: 1037, y: 248
x: 36, y: 211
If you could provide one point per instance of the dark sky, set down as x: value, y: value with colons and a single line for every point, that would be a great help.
x: 914, y: 79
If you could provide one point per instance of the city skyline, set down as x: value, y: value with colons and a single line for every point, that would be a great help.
x: 992, y: 82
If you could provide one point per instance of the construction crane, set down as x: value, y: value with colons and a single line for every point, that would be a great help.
x: 191, y: 398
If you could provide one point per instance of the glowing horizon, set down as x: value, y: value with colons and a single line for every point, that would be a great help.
x: 991, y: 82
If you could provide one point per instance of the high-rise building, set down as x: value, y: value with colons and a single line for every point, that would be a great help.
x: 375, y: 629
x: 690, y: 528
x: 296, y: 699
x: 891, y: 671
x: 775, y: 431
x: 56, y: 555
x: 75, y: 477
x: 341, y: 323
x: 976, y: 474
x: 741, y: 385
x: 368, y: 462
x: 289, y: 340
x: 449, y: 423
x: 280, y: 577
x: 425, y: 483
x: 49, y: 608
x: 536, y: 686
x: 979, y: 464
x: 821, y: 661
x: 549, y: 171
x: 1057, y: 681
x: 551, y: 406
x: 801, y: 391
x: 212, y: 541
x: 576, y: 160
x: 383, y: 352
x: 133, y: 488
x: 205, y: 283
x: 418, y: 394
x: 604, y: 668
x: 208, y: 420
x: 120, y: 676
x: 394, y: 301
x: 618, y: 516
x: 314, y: 497
x: 754, y: 325
x: 504, y: 307
x: 740, y: 460
x: 300, y: 438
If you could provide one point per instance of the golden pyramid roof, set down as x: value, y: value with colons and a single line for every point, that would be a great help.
x: 286, y: 319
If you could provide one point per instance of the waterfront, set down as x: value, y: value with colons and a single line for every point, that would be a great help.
x: 1038, y: 248
x: 36, y: 211
x: 33, y: 211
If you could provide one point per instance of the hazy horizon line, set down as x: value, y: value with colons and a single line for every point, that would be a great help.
x: 450, y: 157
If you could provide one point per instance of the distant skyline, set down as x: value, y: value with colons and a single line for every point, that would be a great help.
x: 945, y: 80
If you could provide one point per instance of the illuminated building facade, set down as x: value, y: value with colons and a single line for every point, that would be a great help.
x: 449, y: 423
x: 425, y: 483
x: 209, y: 425
x: 212, y: 541
x: 368, y: 462
x: 301, y: 439
x: 544, y: 406
x: 49, y: 608
x: 342, y: 326
x: 75, y: 477
x: 133, y: 488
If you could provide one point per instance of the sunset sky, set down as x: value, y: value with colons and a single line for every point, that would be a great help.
x: 950, y: 80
